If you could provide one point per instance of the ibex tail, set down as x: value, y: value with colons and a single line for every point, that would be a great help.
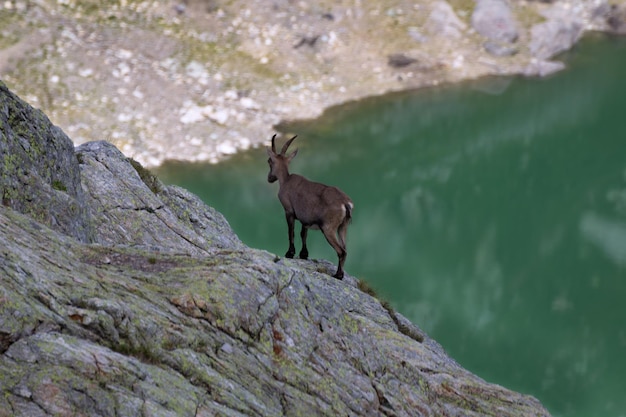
x: 349, y: 207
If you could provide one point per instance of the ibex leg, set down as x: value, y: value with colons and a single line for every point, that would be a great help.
x: 331, y: 237
x: 304, y: 253
x: 292, y: 249
x: 343, y: 229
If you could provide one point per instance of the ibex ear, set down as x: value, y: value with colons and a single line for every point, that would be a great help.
x: 270, y: 153
x: 292, y: 155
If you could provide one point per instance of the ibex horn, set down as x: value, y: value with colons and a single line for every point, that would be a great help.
x: 273, y: 144
x: 286, y: 145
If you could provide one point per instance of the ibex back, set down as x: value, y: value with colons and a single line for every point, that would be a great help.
x: 315, y: 205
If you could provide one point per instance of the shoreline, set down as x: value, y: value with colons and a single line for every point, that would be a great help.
x: 196, y: 83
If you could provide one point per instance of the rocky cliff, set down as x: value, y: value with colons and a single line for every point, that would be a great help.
x: 120, y: 296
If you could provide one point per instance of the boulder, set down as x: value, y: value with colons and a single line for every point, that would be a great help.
x: 400, y: 60
x: 500, y: 49
x: 443, y: 21
x: 554, y: 36
x: 542, y: 68
x: 493, y: 19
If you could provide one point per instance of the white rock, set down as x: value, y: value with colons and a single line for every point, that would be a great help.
x: 244, y: 143
x: 124, y: 117
x: 230, y: 95
x: 248, y: 103
x: 196, y: 70
x: 195, y: 141
x: 226, y: 148
x: 219, y: 116
x: 192, y: 114
x: 123, y: 54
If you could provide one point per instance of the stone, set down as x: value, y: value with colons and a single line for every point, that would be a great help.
x: 400, y: 60
x: 494, y: 20
x: 553, y: 36
x: 248, y: 103
x: 416, y: 35
x: 443, y: 21
x: 219, y: 116
x: 500, y: 49
x: 542, y: 68
x: 194, y: 114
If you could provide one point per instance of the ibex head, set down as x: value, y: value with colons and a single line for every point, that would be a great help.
x: 279, y: 163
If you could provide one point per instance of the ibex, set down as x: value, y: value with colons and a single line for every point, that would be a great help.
x: 315, y: 205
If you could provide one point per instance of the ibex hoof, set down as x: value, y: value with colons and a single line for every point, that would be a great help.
x: 338, y: 275
x: 290, y: 254
x: 304, y: 255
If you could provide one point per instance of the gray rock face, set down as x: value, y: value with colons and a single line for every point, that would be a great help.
x: 39, y: 175
x: 128, y: 205
x: 168, y: 314
x: 554, y: 36
x: 493, y: 19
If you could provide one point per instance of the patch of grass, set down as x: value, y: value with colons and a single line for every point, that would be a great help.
x: 148, y: 178
x: 406, y: 330
x: 366, y: 288
x: 143, y: 353
x: 59, y: 186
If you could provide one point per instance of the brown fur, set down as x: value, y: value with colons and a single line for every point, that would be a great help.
x: 315, y: 205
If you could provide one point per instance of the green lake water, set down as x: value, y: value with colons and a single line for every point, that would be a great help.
x: 491, y: 213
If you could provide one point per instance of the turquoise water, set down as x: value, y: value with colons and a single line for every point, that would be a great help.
x: 492, y: 214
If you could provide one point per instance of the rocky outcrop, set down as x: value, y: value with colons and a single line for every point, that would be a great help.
x: 160, y: 310
x: 39, y: 175
x: 144, y: 213
x: 563, y: 25
x: 556, y: 34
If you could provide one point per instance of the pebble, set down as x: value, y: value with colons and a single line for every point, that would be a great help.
x: 226, y: 148
x: 220, y: 116
x: 227, y: 348
x: 248, y: 103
